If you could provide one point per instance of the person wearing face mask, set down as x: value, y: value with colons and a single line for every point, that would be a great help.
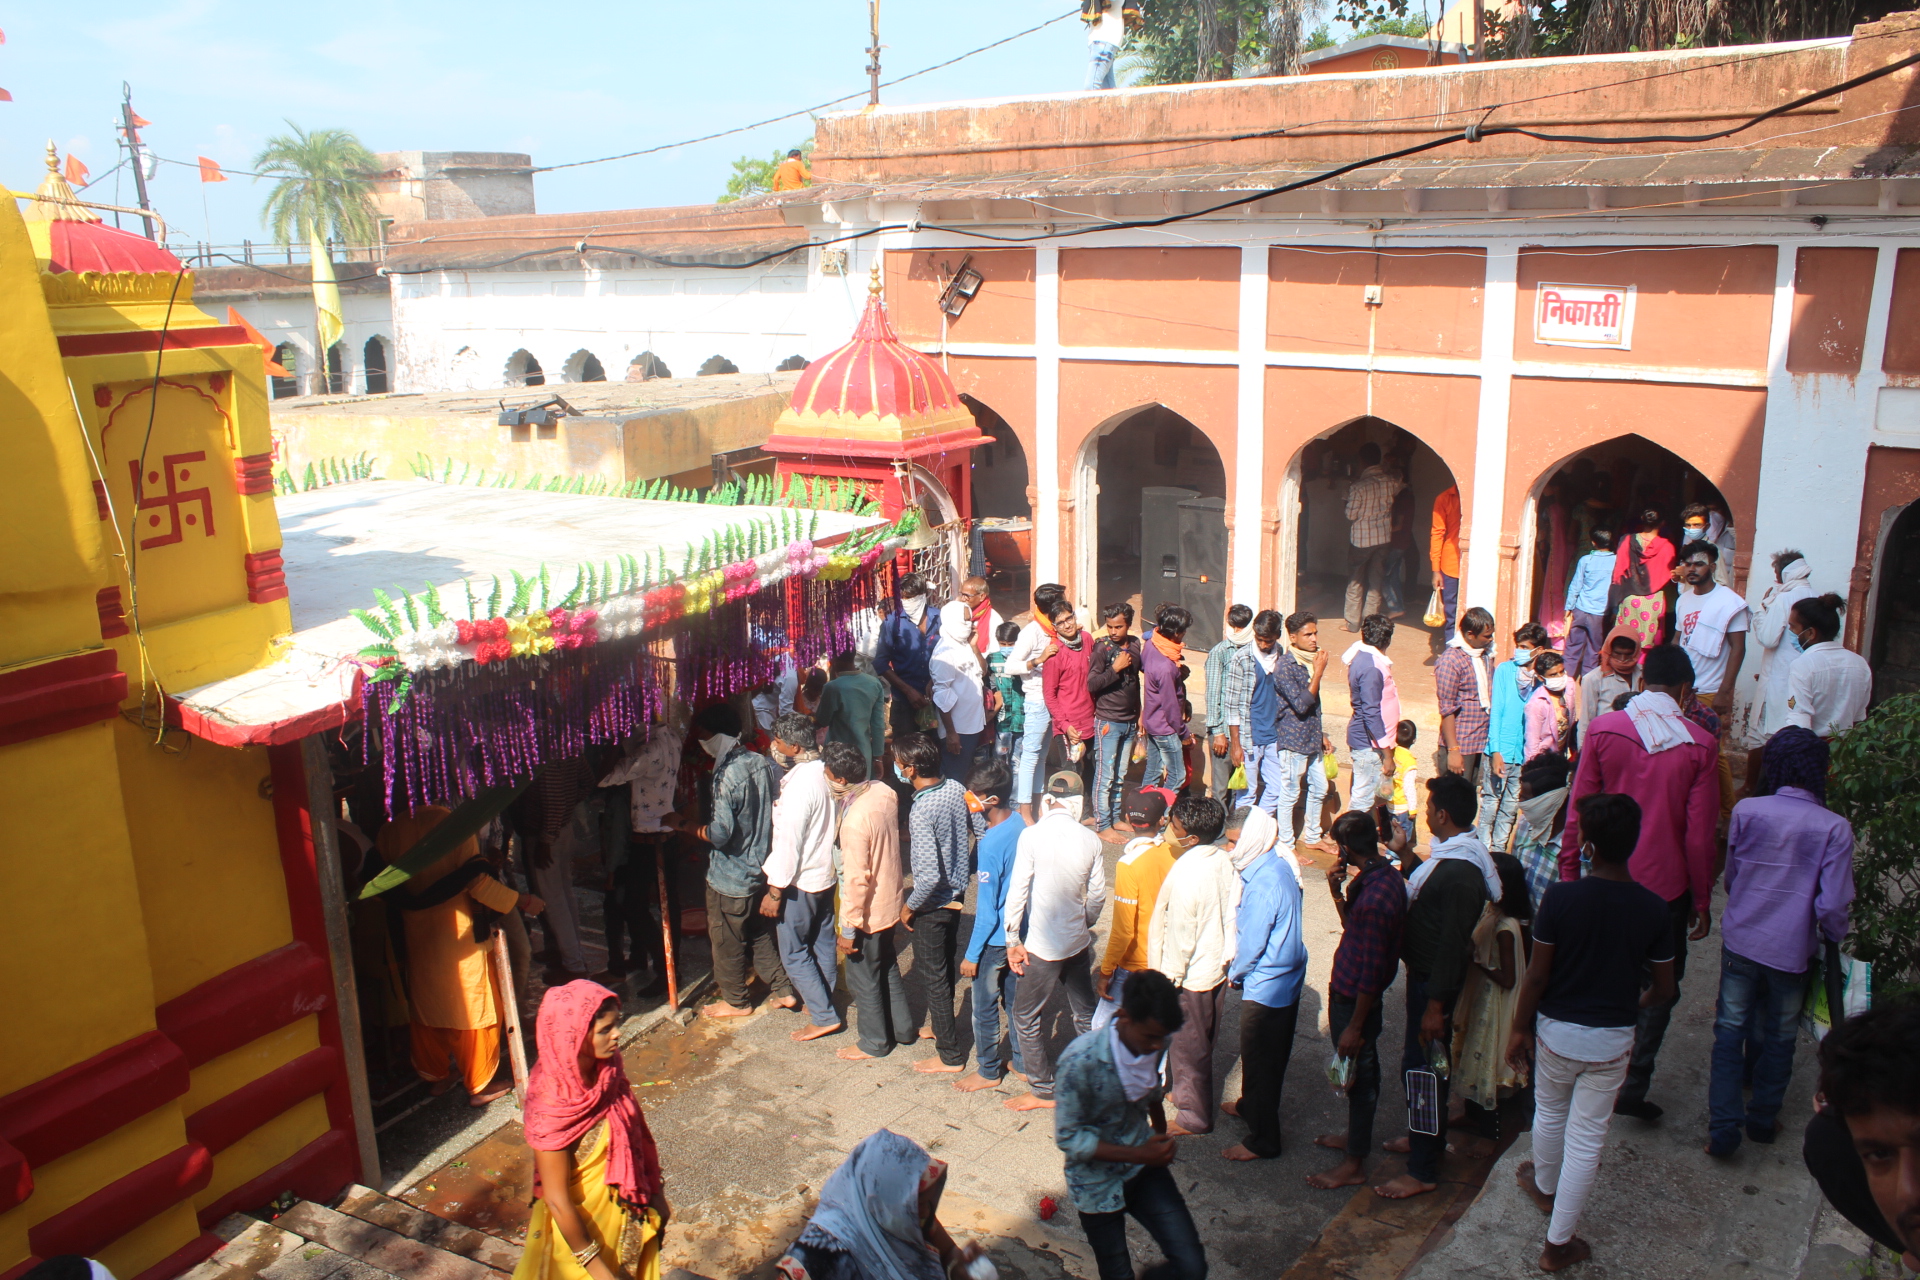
x: 1549, y: 712
x: 1618, y: 673
x: 1513, y: 683
x: 800, y: 876
x: 1780, y: 647
x: 1700, y: 522
x: 1830, y: 684
x: 904, y: 656
x: 741, y: 833
x: 1863, y: 1145
x: 1669, y: 766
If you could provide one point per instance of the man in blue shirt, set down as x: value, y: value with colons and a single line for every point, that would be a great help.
x: 1507, y: 737
x: 904, y: 655
x: 994, y: 983
x: 1269, y: 965
x: 1587, y: 605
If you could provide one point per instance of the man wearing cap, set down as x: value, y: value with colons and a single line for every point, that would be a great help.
x: 1054, y: 896
x: 1136, y: 885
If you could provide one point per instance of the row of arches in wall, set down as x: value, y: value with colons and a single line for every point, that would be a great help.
x: 523, y: 368
x: 1148, y: 498
x: 375, y: 370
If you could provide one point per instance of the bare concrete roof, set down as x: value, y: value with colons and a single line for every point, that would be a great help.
x: 609, y: 399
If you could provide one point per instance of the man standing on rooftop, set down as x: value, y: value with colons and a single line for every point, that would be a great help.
x: 1107, y: 22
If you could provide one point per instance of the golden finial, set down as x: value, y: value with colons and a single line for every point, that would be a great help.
x: 873, y: 283
x: 55, y: 200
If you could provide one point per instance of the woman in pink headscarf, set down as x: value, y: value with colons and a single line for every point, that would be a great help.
x: 601, y: 1206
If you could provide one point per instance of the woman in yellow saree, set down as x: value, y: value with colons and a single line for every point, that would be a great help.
x: 601, y: 1205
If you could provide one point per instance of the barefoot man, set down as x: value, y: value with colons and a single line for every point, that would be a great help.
x: 1054, y: 897
x: 1373, y: 914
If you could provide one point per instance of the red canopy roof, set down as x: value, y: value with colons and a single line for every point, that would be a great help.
x: 95, y: 246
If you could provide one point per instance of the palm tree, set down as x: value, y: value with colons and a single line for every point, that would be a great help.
x: 324, y: 190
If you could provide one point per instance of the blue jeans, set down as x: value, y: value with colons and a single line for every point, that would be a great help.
x: 1369, y: 779
x: 1100, y: 56
x: 1031, y: 757
x: 1166, y: 762
x: 994, y: 984
x: 1153, y: 1198
x: 1294, y: 769
x: 1499, y: 804
x: 1113, y: 747
x: 1750, y: 994
x: 805, y: 934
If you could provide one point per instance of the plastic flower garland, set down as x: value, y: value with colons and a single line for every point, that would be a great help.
x: 608, y: 602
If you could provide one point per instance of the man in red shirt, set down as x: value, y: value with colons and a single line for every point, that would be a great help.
x: 1671, y: 768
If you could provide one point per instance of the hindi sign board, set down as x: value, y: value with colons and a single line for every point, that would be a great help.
x: 1583, y: 315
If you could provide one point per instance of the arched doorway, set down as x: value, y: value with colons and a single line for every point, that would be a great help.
x: 647, y: 366
x: 584, y: 366
x: 1152, y: 525
x: 1605, y: 486
x: 336, y: 370
x: 1321, y: 478
x: 1894, y: 651
x: 374, y: 358
x: 1002, y: 548
x: 287, y: 356
x: 524, y: 371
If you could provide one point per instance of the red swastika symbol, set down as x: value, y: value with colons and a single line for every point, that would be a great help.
x: 172, y: 500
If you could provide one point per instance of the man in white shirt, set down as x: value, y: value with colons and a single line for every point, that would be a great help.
x: 1192, y: 941
x: 1829, y: 686
x: 961, y: 619
x: 649, y: 773
x: 1712, y: 627
x: 959, y: 695
x: 1779, y: 649
x: 1054, y: 896
x: 800, y: 876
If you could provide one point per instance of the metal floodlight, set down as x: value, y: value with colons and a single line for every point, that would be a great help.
x: 544, y: 414
x: 960, y: 290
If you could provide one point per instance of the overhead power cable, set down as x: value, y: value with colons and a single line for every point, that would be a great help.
x: 1471, y: 134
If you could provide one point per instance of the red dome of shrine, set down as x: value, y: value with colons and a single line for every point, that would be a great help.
x: 95, y: 246
x: 875, y: 396
x: 69, y: 237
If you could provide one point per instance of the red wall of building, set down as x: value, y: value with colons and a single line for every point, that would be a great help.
x: 1697, y: 308
x: 1431, y: 303
x: 1179, y: 299
x: 1002, y: 311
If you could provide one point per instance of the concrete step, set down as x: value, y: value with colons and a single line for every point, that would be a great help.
x: 257, y: 1250
x: 371, y: 1206
x: 379, y: 1247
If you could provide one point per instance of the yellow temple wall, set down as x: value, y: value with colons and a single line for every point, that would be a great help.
x: 164, y: 951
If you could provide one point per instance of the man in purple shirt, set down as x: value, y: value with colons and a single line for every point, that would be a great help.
x: 1671, y: 768
x: 1789, y: 883
x: 1163, y: 683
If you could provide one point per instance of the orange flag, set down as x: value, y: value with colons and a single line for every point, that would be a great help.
x: 274, y: 369
x: 210, y: 172
x: 76, y: 172
x: 5, y: 96
x: 139, y: 123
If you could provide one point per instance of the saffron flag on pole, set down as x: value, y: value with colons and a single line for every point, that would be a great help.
x: 76, y: 172
x: 210, y: 171
x: 259, y: 339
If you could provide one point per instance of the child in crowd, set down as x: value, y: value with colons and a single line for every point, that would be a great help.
x: 1011, y: 720
x: 1405, y: 768
x: 1484, y: 1021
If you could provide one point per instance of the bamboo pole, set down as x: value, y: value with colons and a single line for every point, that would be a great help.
x: 510, y: 1016
x: 666, y: 928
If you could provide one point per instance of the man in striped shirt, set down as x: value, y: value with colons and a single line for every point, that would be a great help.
x: 1370, y: 513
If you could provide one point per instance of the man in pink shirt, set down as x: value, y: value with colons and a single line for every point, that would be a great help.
x: 1670, y: 766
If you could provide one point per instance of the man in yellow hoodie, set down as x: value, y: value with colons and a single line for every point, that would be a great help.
x: 1143, y: 865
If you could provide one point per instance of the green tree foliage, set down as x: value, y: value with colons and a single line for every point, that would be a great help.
x: 323, y: 187
x: 1875, y: 785
x: 1186, y: 41
x: 754, y: 177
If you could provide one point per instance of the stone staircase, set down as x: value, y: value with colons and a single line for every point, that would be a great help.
x: 366, y: 1236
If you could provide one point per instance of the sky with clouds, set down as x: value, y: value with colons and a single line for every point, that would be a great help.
x: 560, y: 81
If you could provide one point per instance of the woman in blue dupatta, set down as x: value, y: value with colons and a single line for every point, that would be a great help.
x: 876, y: 1219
